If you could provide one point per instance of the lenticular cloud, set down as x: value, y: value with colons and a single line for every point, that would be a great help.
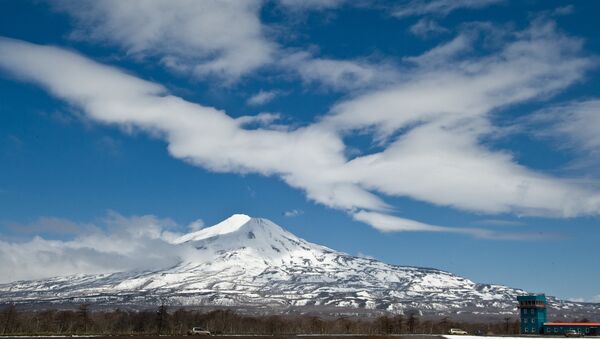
x: 430, y: 125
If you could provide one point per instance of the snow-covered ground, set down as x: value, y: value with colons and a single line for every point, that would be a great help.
x: 478, y: 337
x: 502, y: 337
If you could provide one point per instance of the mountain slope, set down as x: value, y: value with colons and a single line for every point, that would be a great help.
x: 253, y: 262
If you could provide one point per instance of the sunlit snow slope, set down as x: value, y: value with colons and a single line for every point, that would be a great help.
x: 253, y: 262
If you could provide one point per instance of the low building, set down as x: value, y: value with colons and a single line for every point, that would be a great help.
x: 582, y: 328
x: 533, y: 319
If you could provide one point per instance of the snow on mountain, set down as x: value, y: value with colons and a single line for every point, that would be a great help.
x: 252, y: 262
x: 228, y: 225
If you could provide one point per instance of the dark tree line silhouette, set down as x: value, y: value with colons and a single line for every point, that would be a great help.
x: 164, y: 320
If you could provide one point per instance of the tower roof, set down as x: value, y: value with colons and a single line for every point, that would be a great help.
x: 532, y: 297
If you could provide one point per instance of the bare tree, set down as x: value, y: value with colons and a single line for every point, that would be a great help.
x: 84, y: 317
x: 9, y: 319
x: 162, y: 319
x: 412, y: 322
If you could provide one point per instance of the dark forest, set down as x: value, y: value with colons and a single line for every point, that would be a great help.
x: 165, y: 320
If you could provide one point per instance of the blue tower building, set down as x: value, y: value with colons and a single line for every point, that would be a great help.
x: 533, y: 313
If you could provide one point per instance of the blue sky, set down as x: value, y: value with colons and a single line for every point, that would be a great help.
x: 460, y: 135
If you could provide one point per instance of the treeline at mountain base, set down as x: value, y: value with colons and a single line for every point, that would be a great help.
x: 163, y: 320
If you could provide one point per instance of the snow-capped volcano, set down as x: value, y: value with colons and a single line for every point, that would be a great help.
x: 229, y: 225
x: 253, y: 244
x: 253, y: 262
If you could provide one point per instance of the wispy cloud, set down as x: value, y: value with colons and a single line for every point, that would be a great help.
x: 109, y: 145
x: 578, y: 122
x: 311, y: 4
x: 363, y: 255
x: 430, y: 124
x: 264, y: 119
x: 262, y: 97
x: 499, y: 222
x: 114, y: 243
x: 450, y: 51
x: 340, y: 75
x: 293, y: 213
x: 49, y: 225
x: 593, y: 299
x: 14, y: 142
x: 389, y: 223
x: 196, y: 225
x: 222, y: 38
x: 440, y: 7
x: 427, y: 27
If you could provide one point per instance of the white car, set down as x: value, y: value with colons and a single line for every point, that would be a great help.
x: 198, y: 331
x: 572, y: 333
x: 457, y: 331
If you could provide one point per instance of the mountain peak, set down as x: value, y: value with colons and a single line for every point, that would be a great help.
x: 244, y: 261
x: 231, y: 224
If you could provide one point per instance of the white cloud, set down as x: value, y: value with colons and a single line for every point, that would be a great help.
x: 363, y: 255
x: 564, y: 10
x: 578, y: 122
x: 426, y: 27
x: 339, y: 74
x: 117, y: 243
x: 50, y: 226
x: 264, y: 119
x: 443, y: 164
x: 430, y: 124
x: 293, y: 213
x: 499, y: 222
x: 389, y: 223
x: 440, y: 56
x: 593, y: 299
x: 440, y: 7
x: 539, y: 63
x: 262, y: 97
x: 223, y: 38
x: 196, y: 225
x: 444, y: 110
x: 203, y: 38
x: 198, y: 134
x: 310, y: 4
x: 109, y: 145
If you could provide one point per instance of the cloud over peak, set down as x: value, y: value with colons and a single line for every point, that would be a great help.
x: 114, y: 243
